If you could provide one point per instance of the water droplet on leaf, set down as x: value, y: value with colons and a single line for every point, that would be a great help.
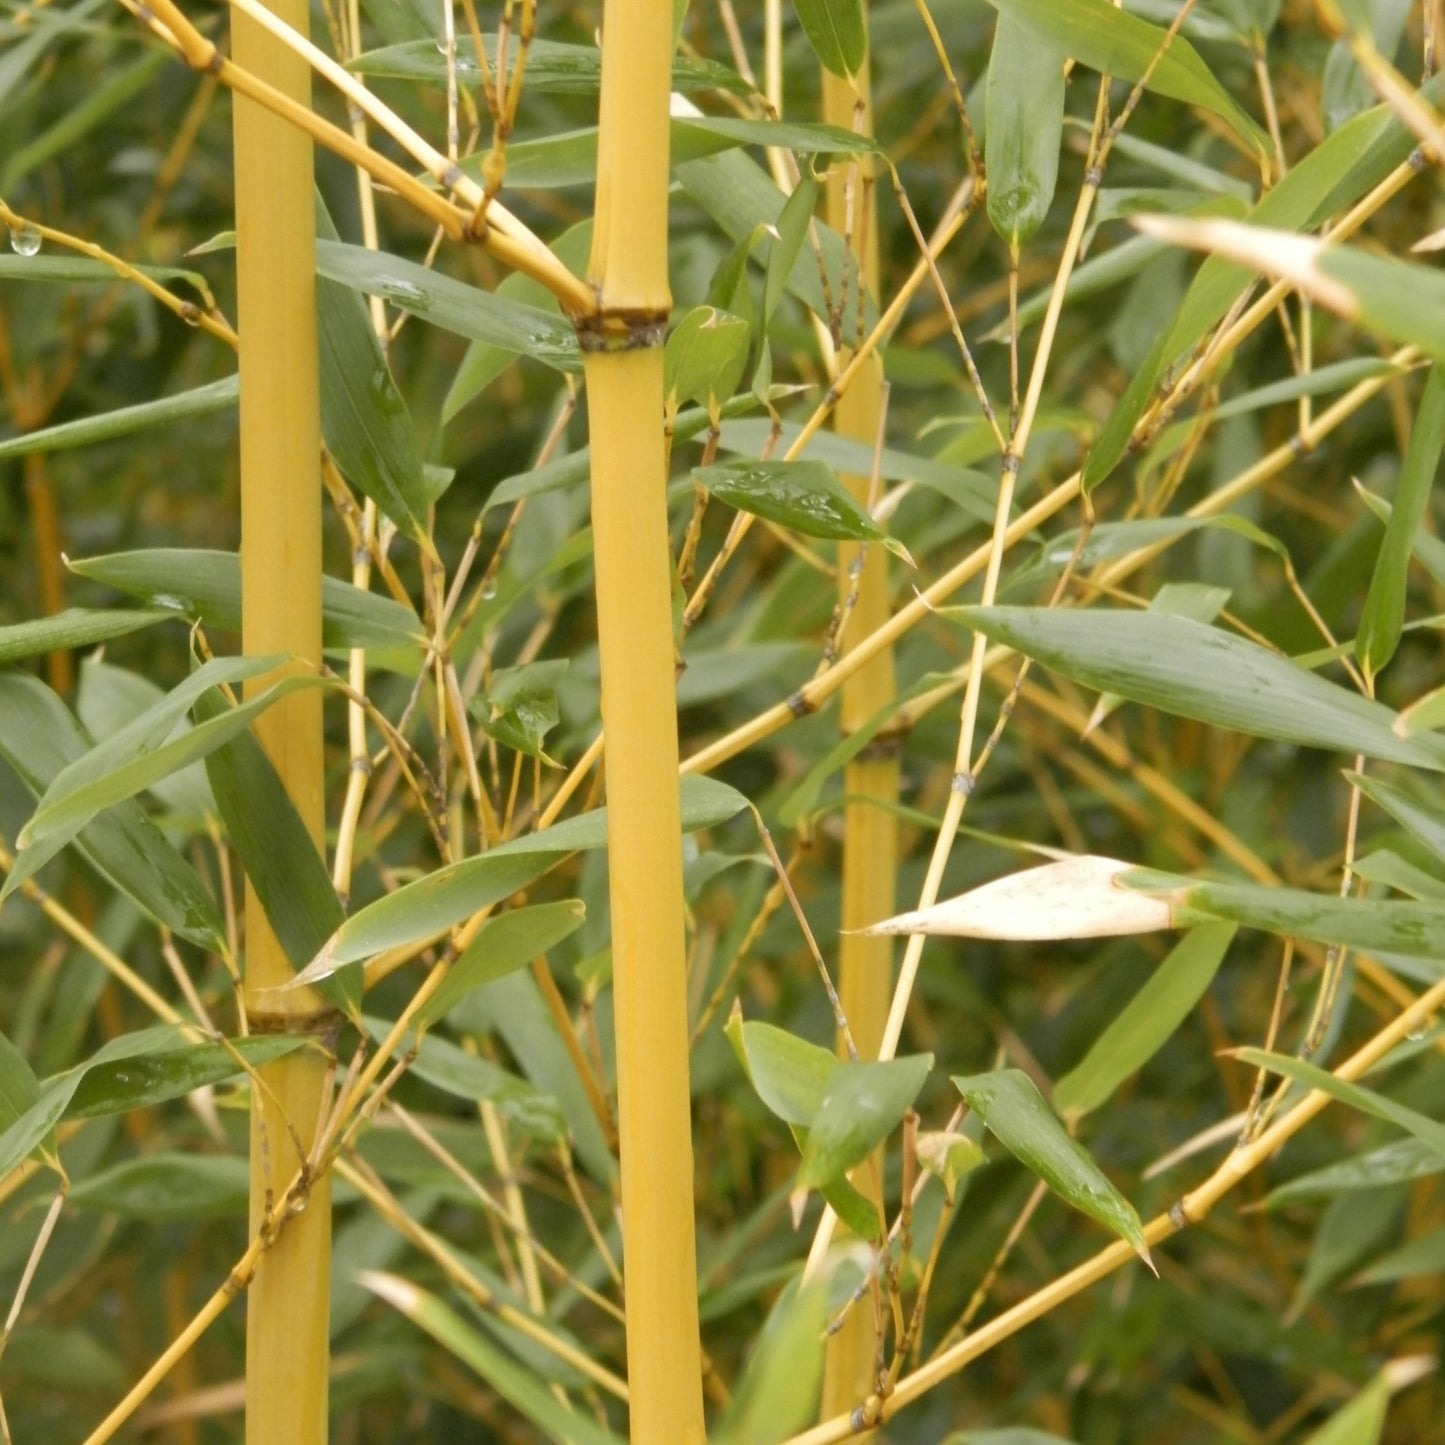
x: 24, y: 240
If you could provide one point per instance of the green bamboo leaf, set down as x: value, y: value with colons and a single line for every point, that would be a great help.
x: 1396, y: 1163
x: 133, y: 1071
x: 789, y: 234
x: 514, y: 1382
x: 1116, y: 43
x: 1025, y: 113
x: 1010, y: 1104
x: 1423, y: 820
x: 40, y: 738
x: 1428, y: 1131
x: 1201, y: 672
x: 862, y: 1104
x: 1361, y: 1421
x: 1422, y: 1256
x: 466, y: 1076
x: 837, y: 31
x: 705, y: 359
x: 1372, y: 924
x: 1334, y: 175
x: 167, y: 1187
x: 505, y: 942
x: 972, y: 491
x: 64, y: 1362
x: 484, y: 362
x: 75, y: 627
x: 805, y: 497
x: 19, y: 1088
x: 448, y: 895
x: 788, y: 1073
x: 80, y: 270
x: 739, y: 195
x: 520, y: 708
x: 453, y: 305
x: 109, y: 425
x: 274, y: 845
x: 778, y: 1393
x: 1402, y: 299
x: 1147, y: 1021
x: 552, y: 67
x: 205, y: 586
x: 364, y: 418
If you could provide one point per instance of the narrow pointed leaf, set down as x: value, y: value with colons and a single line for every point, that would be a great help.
x: 1025, y: 100
x: 75, y: 627
x: 778, y: 1393
x: 705, y: 358
x: 1147, y: 1021
x: 837, y: 32
x: 1076, y: 898
x: 806, y: 497
x: 1116, y: 43
x: 205, y: 586
x: 1397, y: 1163
x: 1011, y: 1106
x: 790, y: 232
x: 1384, y: 615
x: 447, y: 896
x: 788, y: 1073
x: 1334, y: 175
x: 505, y: 942
x: 1428, y: 1131
x: 553, y: 67
x: 1201, y: 672
x: 519, y: 1386
x: 1376, y: 925
x: 453, y: 305
x: 1422, y: 820
x: 862, y: 1104
x: 39, y: 739
x: 108, y: 426
x: 276, y: 850
x: 1422, y: 1256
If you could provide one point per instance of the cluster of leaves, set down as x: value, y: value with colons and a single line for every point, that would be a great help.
x: 1255, y: 603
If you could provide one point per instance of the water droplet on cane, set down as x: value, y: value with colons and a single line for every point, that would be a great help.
x: 489, y: 589
x: 24, y: 240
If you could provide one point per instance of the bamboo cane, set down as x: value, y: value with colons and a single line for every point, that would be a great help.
x: 287, y: 1308
x: 623, y: 365
x: 870, y: 826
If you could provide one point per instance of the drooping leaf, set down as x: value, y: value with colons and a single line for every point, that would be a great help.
x: 1419, y: 817
x: 1010, y: 1104
x: 276, y: 849
x: 1204, y: 673
x: 134, y: 1071
x: 431, y: 904
x: 837, y: 31
x: 167, y: 1187
x: 1428, y: 1131
x: 1405, y: 1159
x: 453, y: 305
x: 1025, y: 100
x: 862, y: 1104
x: 205, y: 586
x: 806, y: 497
x: 1422, y: 1256
x: 110, y: 425
x: 1147, y: 1021
x: 39, y: 739
x: 1122, y: 45
x: 505, y: 942
x: 466, y: 1076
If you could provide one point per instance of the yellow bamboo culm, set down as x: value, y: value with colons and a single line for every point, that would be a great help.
x: 622, y: 342
x: 870, y: 826
x: 288, y: 1303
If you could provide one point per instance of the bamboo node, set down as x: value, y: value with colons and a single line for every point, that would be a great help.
x: 621, y: 330
x: 323, y: 1024
x: 800, y: 705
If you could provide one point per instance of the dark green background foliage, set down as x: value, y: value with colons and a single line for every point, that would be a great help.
x: 1264, y: 1321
